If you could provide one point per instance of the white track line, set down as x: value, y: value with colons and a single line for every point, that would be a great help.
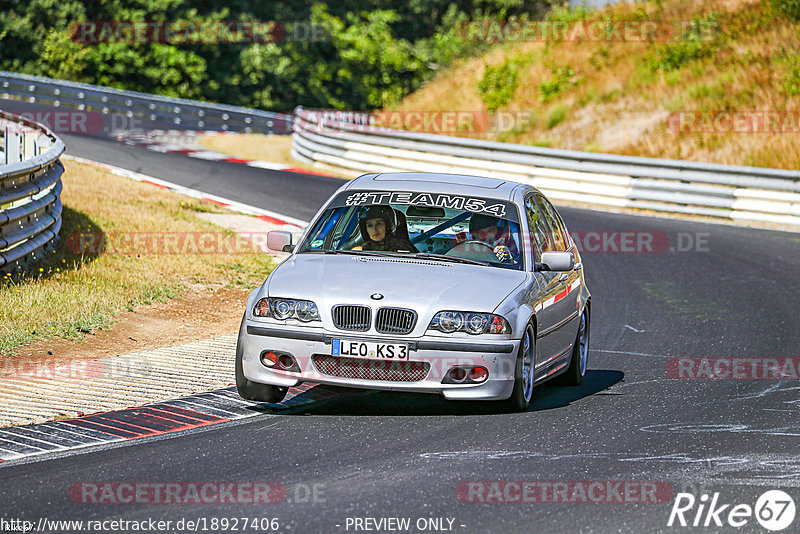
x: 194, y: 193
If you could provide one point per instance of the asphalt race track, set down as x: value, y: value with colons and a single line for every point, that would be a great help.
x: 722, y: 292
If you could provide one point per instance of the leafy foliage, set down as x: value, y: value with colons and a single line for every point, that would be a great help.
x: 562, y: 79
x: 701, y: 39
x: 791, y: 80
x: 355, y: 54
x: 498, y: 85
x: 790, y: 8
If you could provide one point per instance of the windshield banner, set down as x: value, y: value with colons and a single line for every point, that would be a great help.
x: 493, y: 207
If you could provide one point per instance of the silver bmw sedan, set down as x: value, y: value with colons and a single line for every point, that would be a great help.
x: 464, y: 286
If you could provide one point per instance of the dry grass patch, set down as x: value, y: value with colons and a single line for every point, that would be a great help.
x: 617, y: 96
x: 275, y: 148
x: 72, y: 293
x: 272, y: 148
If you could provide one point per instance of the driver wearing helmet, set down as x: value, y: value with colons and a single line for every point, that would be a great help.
x: 378, y: 227
x: 496, y: 233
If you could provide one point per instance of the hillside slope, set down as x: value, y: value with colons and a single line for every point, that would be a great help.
x: 716, y: 81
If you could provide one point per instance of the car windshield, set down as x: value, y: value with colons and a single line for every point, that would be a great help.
x: 424, y: 225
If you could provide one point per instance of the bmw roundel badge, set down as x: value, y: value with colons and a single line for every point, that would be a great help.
x: 376, y: 296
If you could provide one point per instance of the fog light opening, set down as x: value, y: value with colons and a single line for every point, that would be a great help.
x: 478, y: 374
x: 466, y: 374
x: 288, y: 363
x: 269, y: 358
x: 458, y: 374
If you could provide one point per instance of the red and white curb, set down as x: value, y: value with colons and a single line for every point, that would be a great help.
x: 265, y: 215
x: 185, y: 413
x: 152, y: 141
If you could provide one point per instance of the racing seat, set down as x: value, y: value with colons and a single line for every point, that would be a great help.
x: 401, y: 232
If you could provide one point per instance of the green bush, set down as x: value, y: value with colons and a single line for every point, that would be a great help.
x: 498, y: 85
x: 562, y: 79
x: 557, y: 115
x: 568, y: 14
x: 790, y: 8
x: 700, y: 39
x: 791, y: 80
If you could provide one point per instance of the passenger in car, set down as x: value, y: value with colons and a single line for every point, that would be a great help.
x: 383, y: 228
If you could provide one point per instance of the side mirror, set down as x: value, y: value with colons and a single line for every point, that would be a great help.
x: 280, y: 241
x: 557, y: 261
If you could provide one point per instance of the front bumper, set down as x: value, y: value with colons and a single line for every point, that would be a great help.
x: 440, y: 354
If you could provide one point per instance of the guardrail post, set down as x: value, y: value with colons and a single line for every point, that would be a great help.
x: 12, y: 147
x: 28, y: 146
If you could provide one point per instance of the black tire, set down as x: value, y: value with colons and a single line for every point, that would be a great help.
x: 250, y: 390
x: 574, y: 374
x: 521, y: 396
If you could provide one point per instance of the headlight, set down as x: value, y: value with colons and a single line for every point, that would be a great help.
x: 281, y: 309
x: 261, y: 308
x: 469, y: 322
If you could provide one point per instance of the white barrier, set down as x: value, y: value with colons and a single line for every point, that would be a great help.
x: 30, y: 185
x: 726, y: 191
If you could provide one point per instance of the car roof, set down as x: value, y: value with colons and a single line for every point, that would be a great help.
x: 430, y: 182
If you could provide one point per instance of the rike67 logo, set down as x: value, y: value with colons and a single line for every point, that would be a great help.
x: 774, y: 510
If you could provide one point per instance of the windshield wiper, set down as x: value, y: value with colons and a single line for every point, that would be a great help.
x: 352, y: 252
x: 444, y: 257
x: 330, y: 251
x: 417, y: 255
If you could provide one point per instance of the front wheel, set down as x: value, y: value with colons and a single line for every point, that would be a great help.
x: 254, y: 391
x: 523, y: 373
x: 573, y: 376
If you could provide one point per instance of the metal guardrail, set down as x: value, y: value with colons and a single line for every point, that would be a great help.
x: 345, y: 141
x: 30, y: 185
x: 176, y: 112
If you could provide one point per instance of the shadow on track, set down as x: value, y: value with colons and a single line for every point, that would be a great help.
x: 545, y: 397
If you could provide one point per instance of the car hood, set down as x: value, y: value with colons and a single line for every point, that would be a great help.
x: 423, y: 285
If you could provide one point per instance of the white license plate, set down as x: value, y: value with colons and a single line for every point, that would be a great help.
x: 369, y: 350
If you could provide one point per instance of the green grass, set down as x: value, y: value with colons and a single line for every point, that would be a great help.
x: 556, y: 117
x: 72, y: 292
